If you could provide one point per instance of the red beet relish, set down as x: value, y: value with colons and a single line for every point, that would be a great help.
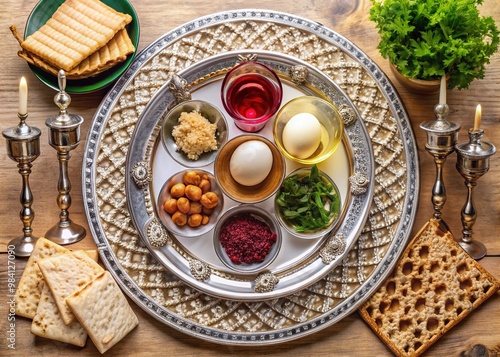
x: 246, y: 239
x: 252, y: 96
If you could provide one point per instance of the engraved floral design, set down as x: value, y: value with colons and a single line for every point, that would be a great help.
x: 179, y: 88
x: 333, y: 248
x: 298, y: 74
x: 265, y: 282
x: 348, y: 114
x: 141, y: 173
x: 157, y: 234
x: 359, y: 183
x: 200, y: 270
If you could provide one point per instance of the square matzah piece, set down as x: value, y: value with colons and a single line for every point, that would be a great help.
x: 30, y: 286
x: 434, y: 286
x: 67, y: 273
x: 48, y: 323
x: 103, y: 311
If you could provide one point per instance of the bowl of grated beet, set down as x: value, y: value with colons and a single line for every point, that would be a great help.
x: 247, y: 238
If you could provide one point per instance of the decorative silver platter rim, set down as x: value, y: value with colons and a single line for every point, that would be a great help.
x: 301, y: 329
x: 329, y: 250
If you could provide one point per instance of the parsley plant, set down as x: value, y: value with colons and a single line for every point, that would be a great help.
x: 427, y: 39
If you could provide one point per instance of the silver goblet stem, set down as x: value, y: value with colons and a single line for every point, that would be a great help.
x: 64, y: 185
x: 469, y: 215
x: 64, y: 136
x: 27, y: 214
x: 442, y: 136
x: 438, y: 190
x: 472, y: 163
x: 23, y: 146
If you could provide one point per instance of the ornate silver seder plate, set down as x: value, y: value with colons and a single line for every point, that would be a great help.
x: 301, y: 262
x: 366, y: 264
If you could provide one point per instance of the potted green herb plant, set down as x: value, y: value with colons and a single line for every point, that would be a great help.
x: 427, y: 39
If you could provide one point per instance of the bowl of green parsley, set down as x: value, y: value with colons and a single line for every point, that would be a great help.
x: 308, y: 203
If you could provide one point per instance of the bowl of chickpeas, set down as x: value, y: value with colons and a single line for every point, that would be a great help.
x: 190, y: 202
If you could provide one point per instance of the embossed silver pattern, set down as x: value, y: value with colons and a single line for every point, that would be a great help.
x: 348, y: 114
x: 200, y: 270
x: 179, y: 87
x: 265, y: 282
x: 141, y: 173
x: 359, y: 183
x: 333, y: 248
x: 299, y: 74
x: 246, y: 58
x: 342, y: 290
x: 157, y: 234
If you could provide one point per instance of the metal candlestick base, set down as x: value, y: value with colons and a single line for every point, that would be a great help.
x: 475, y: 249
x: 472, y: 162
x: 442, y: 136
x: 66, y: 232
x: 23, y: 245
x: 64, y: 136
x: 23, y: 146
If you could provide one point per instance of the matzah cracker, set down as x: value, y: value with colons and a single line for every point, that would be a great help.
x: 67, y: 273
x: 434, y: 286
x: 104, y: 311
x: 114, y: 52
x: 93, y: 254
x: 29, y: 288
x: 77, y: 29
x: 48, y: 323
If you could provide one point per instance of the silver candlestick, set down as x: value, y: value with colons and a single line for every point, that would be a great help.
x: 64, y: 136
x: 473, y: 161
x: 442, y: 136
x: 23, y: 146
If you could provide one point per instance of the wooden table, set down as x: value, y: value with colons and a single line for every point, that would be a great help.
x: 351, y: 336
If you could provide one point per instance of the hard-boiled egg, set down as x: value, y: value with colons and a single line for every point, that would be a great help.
x: 251, y: 162
x: 302, y: 135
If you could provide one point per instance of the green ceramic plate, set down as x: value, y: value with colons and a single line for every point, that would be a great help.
x: 43, y: 11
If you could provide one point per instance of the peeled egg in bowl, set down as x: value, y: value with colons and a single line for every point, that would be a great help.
x: 251, y: 162
x: 290, y: 142
x: 245, y: 193
x: 302, y: 135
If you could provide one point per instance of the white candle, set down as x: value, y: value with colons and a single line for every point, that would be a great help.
x: 477, y: 118
x: 442, y: 91
x: 23, y: 97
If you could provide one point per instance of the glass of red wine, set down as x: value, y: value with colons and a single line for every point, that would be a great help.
x: 251, y: 93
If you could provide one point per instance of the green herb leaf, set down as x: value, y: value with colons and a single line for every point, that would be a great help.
x: 427, y: 39
x: 308, y: 202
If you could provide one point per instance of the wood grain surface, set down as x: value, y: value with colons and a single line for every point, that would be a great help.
x: 349, y: 337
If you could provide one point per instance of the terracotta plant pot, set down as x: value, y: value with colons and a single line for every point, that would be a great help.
x: 419, y: 86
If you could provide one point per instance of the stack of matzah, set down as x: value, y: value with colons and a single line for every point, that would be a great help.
x: 434, y: 286
x: 83, y: 37
x: 69, y: 297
